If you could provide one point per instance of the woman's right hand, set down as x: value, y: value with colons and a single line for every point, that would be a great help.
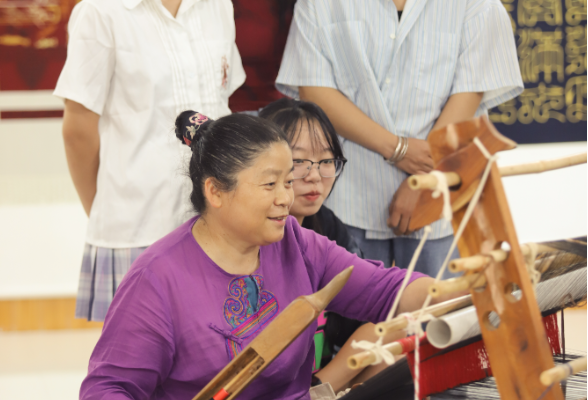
x: 418, y: 158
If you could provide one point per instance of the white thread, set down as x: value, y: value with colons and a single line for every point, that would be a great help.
x: 409, y: 271
x: 379, y: 352
x: 483, y: 149
x: 442, y: 188
x: 414, y: 327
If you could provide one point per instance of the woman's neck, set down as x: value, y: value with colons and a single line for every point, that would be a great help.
x: 299, y: 218
x: 228, y: 253
x: 172, y: 6
x: 400, y: 4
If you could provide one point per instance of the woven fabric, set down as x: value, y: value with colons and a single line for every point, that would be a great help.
x: 101, y: 273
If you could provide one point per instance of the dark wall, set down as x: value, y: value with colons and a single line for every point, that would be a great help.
x: 551, y: 44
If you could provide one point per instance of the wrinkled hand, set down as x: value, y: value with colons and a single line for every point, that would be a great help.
x: 418, y: 158
x: 401, y: 208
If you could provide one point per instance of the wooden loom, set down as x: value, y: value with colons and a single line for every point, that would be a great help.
x: 517, y: 347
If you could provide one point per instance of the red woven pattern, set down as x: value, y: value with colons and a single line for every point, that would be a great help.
x: 466, y: 364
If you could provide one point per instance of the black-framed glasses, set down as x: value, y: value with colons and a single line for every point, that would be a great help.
x: 328, y: 168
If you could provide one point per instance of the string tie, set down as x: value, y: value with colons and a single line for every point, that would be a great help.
x: 379, y: 352
x: 442, y: 188
x: 414, y: 326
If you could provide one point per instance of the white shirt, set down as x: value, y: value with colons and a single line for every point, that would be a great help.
x: 400, y: 74
x: 138, y: 67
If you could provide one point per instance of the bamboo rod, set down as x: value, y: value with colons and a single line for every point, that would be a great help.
x: 562, y: 372
x: 428, y: 181
x: 366, y: 358
x: 541, y: 166
x: 471, y: 281
x: 398, y: 323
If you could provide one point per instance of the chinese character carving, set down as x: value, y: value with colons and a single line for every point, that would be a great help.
x: 575, y: 50
x: 507, y: 114
x: 576, y: 99
x: 529, y: 12
x: 575, y: 11
x: 542, y: 103
x: 547, y: 56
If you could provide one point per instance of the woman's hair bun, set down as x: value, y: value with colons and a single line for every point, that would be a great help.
x: 190, y: 126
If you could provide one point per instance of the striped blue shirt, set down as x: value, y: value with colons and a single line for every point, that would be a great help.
x: 400, y: 74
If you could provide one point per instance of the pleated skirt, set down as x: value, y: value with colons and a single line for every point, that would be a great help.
x: 102, y: 271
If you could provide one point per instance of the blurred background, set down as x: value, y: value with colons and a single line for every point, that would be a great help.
x: 44, y: 351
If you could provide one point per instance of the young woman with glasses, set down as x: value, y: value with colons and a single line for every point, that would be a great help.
x: 318, y: 161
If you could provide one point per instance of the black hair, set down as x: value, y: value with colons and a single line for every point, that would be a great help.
x: 222, y: 148
x: 291, y: 115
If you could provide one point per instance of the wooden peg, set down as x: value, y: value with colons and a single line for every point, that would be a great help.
x: 396, y: 348
x: 453, y: 285
x: 481, y: 260
x: 366, y: 358
x: 428, y: 181
x: 562, y: 372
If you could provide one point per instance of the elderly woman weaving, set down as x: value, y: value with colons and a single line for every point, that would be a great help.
x: 197, y: 297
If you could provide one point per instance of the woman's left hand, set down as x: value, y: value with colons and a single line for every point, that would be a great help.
x: 401, y: 208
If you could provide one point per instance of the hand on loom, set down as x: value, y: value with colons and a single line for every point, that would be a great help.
x: 401, y: 208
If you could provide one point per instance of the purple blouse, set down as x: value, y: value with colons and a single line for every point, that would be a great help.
x: 177, y: 318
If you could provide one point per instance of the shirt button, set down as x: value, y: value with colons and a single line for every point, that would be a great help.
x: 392, y: 36
x: 388, y: 80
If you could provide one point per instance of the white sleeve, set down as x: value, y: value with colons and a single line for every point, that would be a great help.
x: 488, y: 59
x: 89, y: 66
x: 303, y: 62
x: 237, y: 73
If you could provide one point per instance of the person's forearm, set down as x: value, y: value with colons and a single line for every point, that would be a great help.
x: 349, y: 121
x: 82, y: 147
x: 460, y: 107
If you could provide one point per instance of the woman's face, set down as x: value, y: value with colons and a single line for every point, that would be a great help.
x: 255, y: 211
x: 310, y: 192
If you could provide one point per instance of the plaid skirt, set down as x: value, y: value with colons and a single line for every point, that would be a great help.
x: 102, y: 272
